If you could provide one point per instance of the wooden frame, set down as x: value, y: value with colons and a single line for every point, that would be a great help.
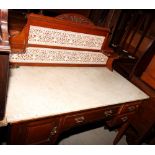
x: 19, y: 43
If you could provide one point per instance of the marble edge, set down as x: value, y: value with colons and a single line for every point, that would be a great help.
x: 67, y: 112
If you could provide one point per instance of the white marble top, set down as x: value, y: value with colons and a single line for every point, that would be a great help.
x: 45, y: 91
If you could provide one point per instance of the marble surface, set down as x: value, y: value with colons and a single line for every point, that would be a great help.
x: 36, y: 92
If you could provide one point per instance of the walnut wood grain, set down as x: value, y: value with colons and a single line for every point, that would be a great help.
x: 4, y: 72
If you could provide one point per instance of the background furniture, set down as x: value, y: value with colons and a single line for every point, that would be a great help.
x: 140, y: 127
x: 144, y: 71
x: 132, y: 37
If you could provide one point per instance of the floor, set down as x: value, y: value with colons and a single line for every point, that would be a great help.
x: 98, y: 136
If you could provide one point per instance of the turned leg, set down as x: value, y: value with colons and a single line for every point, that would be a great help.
x: 121, y: 132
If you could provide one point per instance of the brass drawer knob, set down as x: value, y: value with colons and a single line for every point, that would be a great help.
x: 124, y: 119
x: 53, y: 131
x: 79, y: 119
x: 131, y: 108
x: 108, y: 113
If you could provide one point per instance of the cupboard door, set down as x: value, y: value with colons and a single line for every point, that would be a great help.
x: 41, y: 133
x: 4, y: 69
x: 35, y: 132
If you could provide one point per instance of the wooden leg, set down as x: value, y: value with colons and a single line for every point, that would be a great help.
x: 121, y: 133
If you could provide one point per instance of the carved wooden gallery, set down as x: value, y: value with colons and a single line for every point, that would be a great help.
x: 66, y: 70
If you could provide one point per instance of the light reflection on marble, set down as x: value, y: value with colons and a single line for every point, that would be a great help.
x: 36, y: 92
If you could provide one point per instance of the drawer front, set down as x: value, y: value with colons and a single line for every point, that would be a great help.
x: 35, y: 132
x: 117, y: 121
x: 41, y: 133
x: 130, y: 107
x: 87, y: 117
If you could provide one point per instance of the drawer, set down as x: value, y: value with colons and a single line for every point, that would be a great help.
x: 127, y: 110
x: 130, y: 107
x: 117, y: 121
x: 89, y: 116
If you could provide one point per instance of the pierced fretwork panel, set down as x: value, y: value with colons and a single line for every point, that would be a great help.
x: 62, y: 38
x: 60, y: 56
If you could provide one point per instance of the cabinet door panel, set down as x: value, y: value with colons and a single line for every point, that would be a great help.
x: 39, y: 133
